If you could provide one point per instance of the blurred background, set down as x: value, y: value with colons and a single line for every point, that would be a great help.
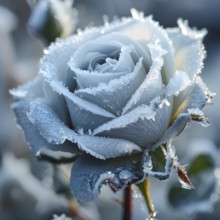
x: 28, y: 193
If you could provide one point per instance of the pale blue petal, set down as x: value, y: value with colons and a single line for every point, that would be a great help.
x: 189, y: 49
x: 113, y: 96
x: 86, y: 115
x: 143, y: 126
x: 152, y: 85
x: 30, y: 90
x: 174, y: 130
x: 105, y: 148
x: 48, y: 123
x: 39, y: 146
x: 89, y: 174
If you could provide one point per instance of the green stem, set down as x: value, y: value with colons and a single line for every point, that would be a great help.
x: 145, y: 189
x: 127, y: 203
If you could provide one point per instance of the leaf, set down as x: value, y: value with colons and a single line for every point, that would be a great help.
x: 184, y: 179
x: 158, y: 159
x: 201, y: 172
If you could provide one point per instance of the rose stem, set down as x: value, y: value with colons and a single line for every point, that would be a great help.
x: 150, y: 205
x: 127, y: 203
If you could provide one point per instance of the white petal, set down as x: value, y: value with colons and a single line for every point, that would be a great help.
x: 142, y: 125
x: 178, y: 83
x: 152, y: 85
x: 86, y: 115
x: 48, y: 123
x: 174, y: 130
x: 189, y: 50
x: 113, y: 96
x: 30, y: 90
x: 39, y: 146
x: 105, y: 148
x: 57, y: 103
x: 148, y: 31
x: 89, y: 174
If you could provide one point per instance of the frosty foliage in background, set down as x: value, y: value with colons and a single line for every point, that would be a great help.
x: 110, y: 97
x: 52, y: 18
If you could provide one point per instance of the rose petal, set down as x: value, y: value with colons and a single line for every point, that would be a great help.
x: 58, y: 103
x: 29, y: 90
x: 200, y: 95
x: 112, y: 39
x: 189, y: 50
x: 39, y: 146
x: 89, y: 174
x: 86, y: 115
x: 142, y: 126
x: 105, y: 148
x: 152, y: 85
x: 48, y: 123
x: 178, y: 83
x: 174, y: 130
x: 146, y: 31
x: 113, y: 96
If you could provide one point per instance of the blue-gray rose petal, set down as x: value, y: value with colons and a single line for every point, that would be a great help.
x: 143, y: 126
x: 174, y: 130
x: 105, y: 148
x: 89, y: 174
x: 189, y: 50
x: 39, y: 146
x: 30, y: 90
x: 113, y: 96
x: 48, y: 123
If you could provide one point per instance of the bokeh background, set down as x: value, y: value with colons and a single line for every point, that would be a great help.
x: 26, y: 185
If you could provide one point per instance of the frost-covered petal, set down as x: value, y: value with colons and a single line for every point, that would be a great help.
x: 178, y: 83
x: 58, y: 103
x: 195, y: 96
x: 144, y: 125
x: 30, y: 90
x: 48, y: 123
x: 86, y: 115
x: 89, y: 174
x: 105, y: 148
x: 189, y: 50
x: 144, y: 31
x: 200, y: 95
x: 39, y: 146
x: 115, y: 94
x: 81, y: 67
x: 152, y: 85
x: 174, y: 130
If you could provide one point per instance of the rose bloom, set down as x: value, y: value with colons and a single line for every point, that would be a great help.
x: 106, y: 97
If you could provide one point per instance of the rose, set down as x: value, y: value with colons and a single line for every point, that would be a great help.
x: 109, y: 95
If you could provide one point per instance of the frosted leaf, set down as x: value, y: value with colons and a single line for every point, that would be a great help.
x: 89, y: 174
x: 203, y: 158
x: 198, y: 115
x: 183, y: 178
x: 163, y: 174
x: 144, y: 125
x: 112, y: 96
